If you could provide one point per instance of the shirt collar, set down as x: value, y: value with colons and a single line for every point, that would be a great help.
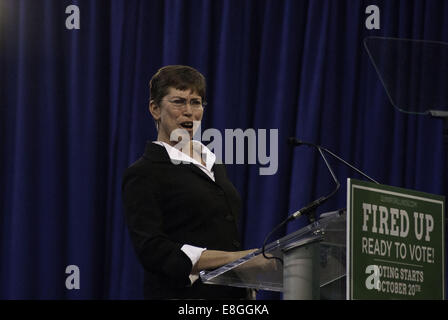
x: 178, y: 156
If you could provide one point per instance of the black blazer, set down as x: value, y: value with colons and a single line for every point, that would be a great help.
x: 167, y: 206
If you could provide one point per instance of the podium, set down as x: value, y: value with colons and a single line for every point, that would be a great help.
x: 313, y: 267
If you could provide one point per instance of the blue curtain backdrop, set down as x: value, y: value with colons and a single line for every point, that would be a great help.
x: 73, y: 116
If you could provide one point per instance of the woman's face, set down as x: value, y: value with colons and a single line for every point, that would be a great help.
x: 177, y: 110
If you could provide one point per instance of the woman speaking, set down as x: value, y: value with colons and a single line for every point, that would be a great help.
x: 181, y: 209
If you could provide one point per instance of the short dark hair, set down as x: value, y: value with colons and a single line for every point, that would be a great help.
x: 179, y: 77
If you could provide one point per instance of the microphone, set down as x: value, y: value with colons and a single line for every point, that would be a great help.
x: 296, y: 142
x: 308, y: 209
x: 313, y: 205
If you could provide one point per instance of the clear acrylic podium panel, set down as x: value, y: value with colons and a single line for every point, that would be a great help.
x: 255, y: 271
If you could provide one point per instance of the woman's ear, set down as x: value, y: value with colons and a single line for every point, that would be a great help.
x: 154, y: 109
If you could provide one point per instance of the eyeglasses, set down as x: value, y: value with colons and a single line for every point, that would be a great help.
x: 180, y: 103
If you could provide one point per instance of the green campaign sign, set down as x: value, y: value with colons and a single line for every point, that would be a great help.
x: 395, y: 243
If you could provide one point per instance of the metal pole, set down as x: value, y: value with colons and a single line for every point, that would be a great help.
x: 301, y: 272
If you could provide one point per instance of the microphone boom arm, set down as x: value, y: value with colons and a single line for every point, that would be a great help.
x: 349, y: 165
x: 316, y: 203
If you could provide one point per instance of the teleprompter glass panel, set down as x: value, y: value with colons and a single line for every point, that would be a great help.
x: 414, y: 73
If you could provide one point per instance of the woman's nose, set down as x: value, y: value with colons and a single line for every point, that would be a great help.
x: 187, y: 111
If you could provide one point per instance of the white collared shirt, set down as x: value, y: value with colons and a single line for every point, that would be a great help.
x: 178, y: 156
x: 209, y: 158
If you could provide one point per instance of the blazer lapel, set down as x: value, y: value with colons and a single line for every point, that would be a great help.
x: 198, y: 171
x: 218, y: 170
x: 157, y: 153
x: 223, y: 182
